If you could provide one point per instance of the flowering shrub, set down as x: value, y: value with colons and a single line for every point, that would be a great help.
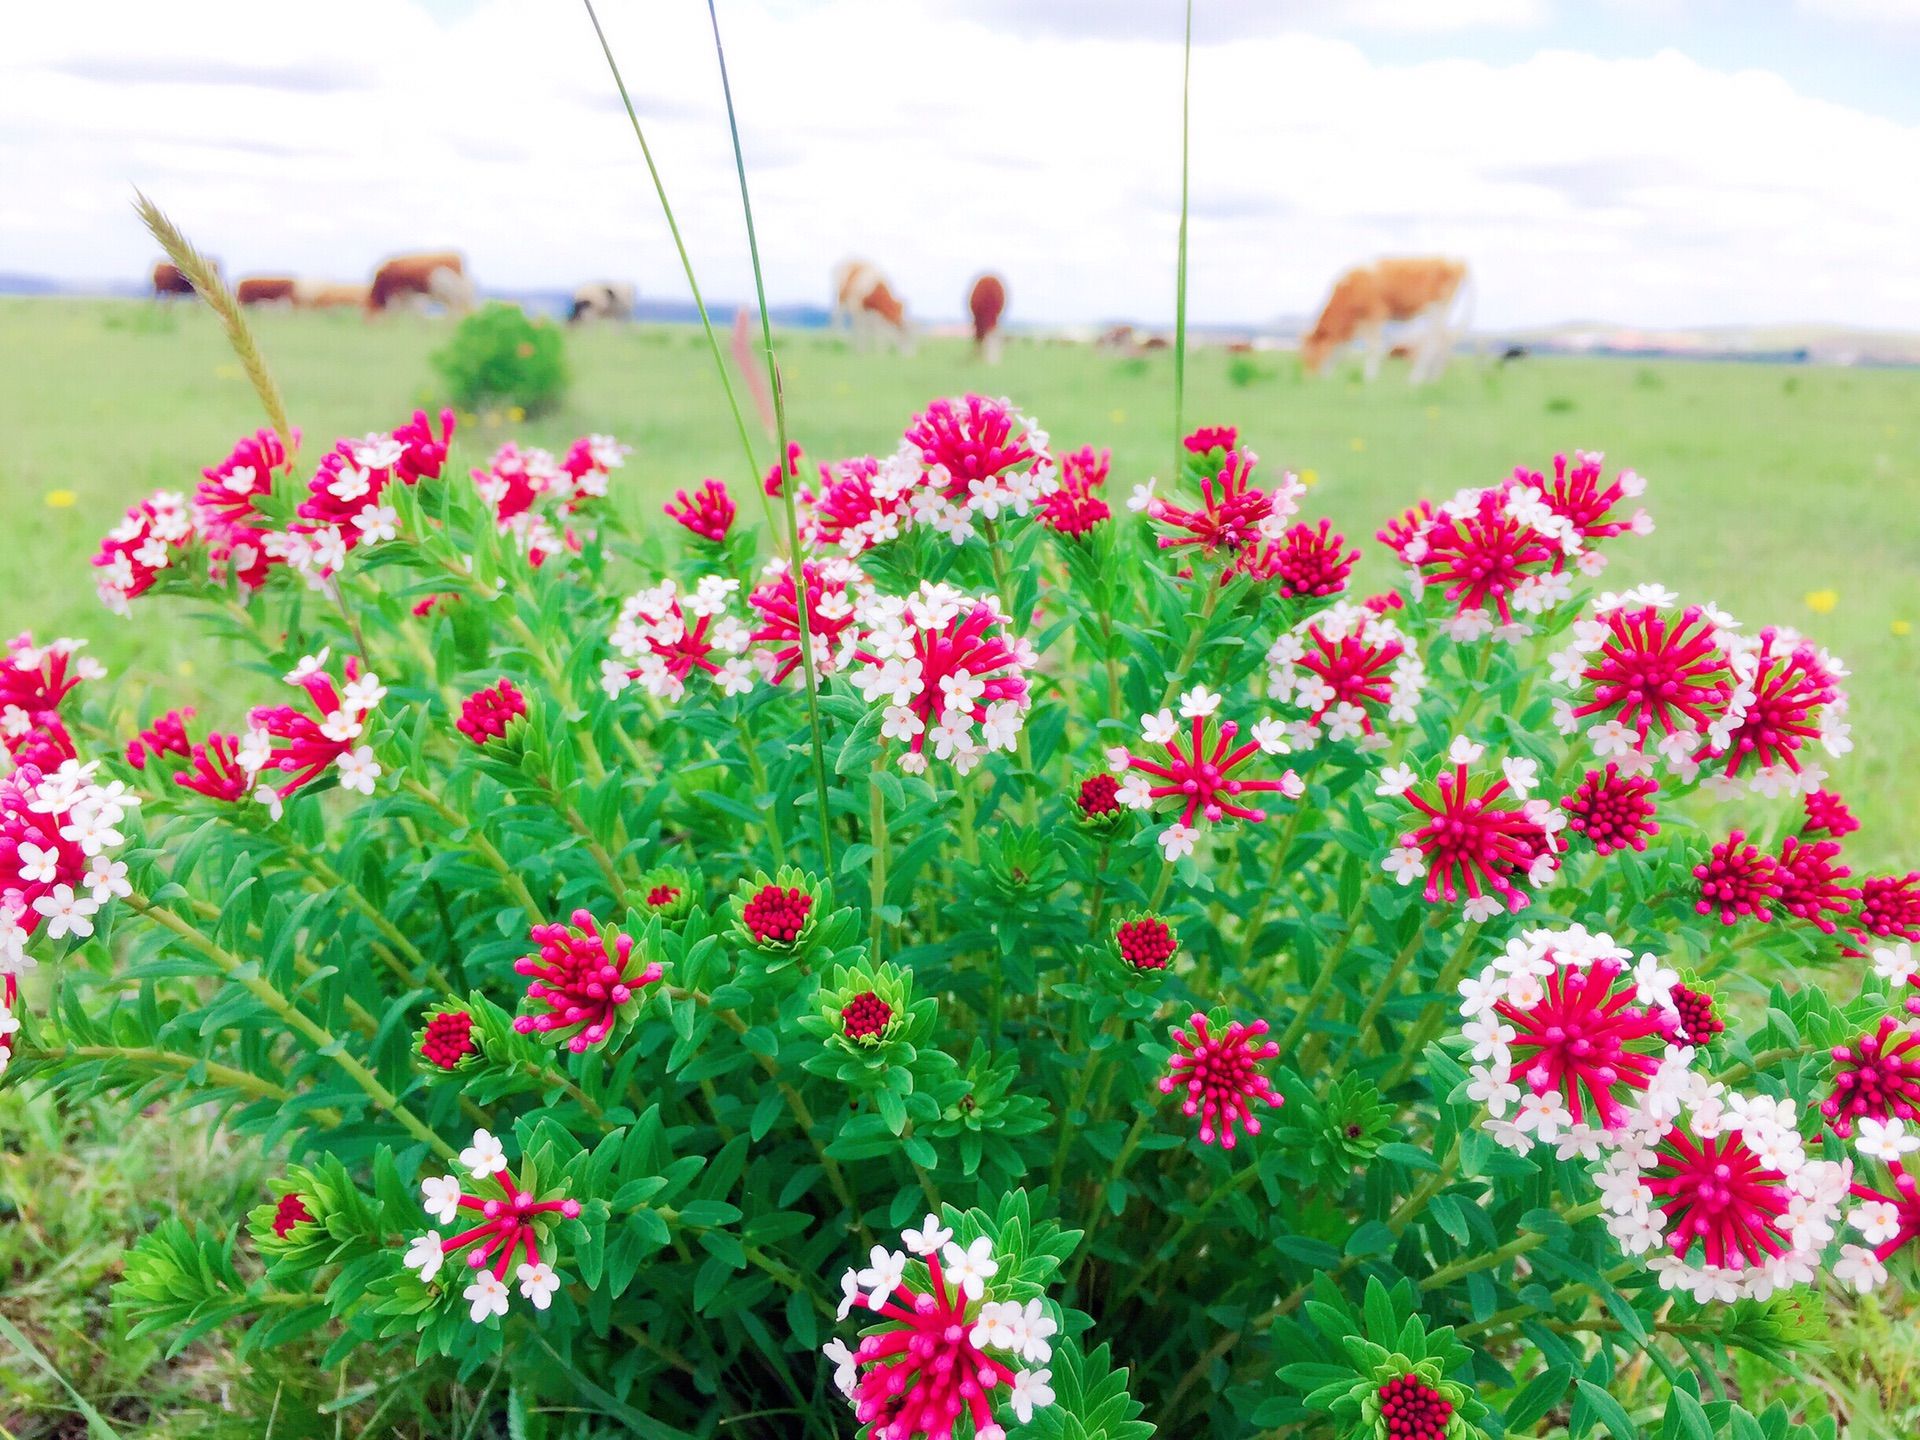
x: 1245, y: 1000
x: 498, y: 356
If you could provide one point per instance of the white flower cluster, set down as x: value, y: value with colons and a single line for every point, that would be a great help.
x: 1299, y: 666
x: 843, y: 591
x: 888, y: 517
x: 1518, y: 978
x: 355, y: 768
x: 87, y: 815
x: 1762, y: 1170
x: 440, y: 1197
x: 148, y: 538
x: 1012, y: 492
x: 933, y: 657
x: 9, y: 1026
x: 664, y: 634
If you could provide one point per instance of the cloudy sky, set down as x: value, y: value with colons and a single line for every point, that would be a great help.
x: 1646, y: 161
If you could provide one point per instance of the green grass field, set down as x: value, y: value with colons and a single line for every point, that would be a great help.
x: 1767, y: 484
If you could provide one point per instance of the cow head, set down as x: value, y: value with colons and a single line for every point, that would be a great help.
x: 1315, y: 347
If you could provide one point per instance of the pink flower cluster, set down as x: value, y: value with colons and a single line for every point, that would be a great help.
x: 533, y: 496
x: 938, y: 661
x: 1718, y: 1186
x: 59, y: 830
x: 1235, y: 517
x: 344, y: 509
x: 1220, y: 1076
x: 1682, y: 684
x: 1197, y: 773
x: 1506, y: 551
x: 836, y: 589
x: 1349, y: 668
x: 1477, y: 841
x: 511, y: 1226
x: 34, y: 681
x: 580, y: 985
x: 664, y: 635
x: 942, y: 1350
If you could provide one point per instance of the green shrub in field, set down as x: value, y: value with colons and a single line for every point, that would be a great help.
x: 499, y: 356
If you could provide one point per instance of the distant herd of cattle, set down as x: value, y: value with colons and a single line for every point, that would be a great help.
x: 1430, y: 294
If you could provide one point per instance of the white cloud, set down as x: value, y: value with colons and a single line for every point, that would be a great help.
x: 1897, y: 12
x: 1650, y: 190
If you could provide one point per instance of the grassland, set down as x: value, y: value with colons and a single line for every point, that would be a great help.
x: 1769, y: 485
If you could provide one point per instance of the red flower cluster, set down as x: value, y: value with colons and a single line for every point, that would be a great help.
x: 1073, y: 510
x: 1209, y: 438
x: 485, y: 714
x: 1878, y: 1076
x: 581, y: 986
x: 1413, y: 1410
x: 1480, y: 555
x: 165, y: 736
x: 448, y: 1039
x: 1612, y: 810
x: 1306, y: 561
x: 1717, y: 1191
x: 831, y: 589
x: 1827, y: 812
x: 865, y: 1017
x: 1655, y: 671
x: 1147, y: 943
x: 1692, y: 1020
x: 708, y: 512
x: 1233, y: 515
x: 291, y: 1211
x: 775, y: 916
x: 661, y: 896
x: 1737, y: 881
x: 1099, y: 798
x: 1474, y: 845
x: 1588, y: 1039
x: 1889, y: 908
x: 1809, y: 881
x: 34, y: 681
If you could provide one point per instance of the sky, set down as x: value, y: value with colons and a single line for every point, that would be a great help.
x: 1649, y: 162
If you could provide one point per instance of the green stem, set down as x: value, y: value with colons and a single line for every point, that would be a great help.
x: 795, y: 565
x: 1520, y: 1245
x: 1389, y: 985
x: 218, y: 1076
x: 1180, y: 280
x: 876, y: 867
x: 324, y: 1043
x: 484, y: 847
x: 686, y: 264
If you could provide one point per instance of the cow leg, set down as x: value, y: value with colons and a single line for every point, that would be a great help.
x: 1374, y: 336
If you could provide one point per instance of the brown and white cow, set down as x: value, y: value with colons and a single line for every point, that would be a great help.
x: 266, y: 290
x: 1415, y: 288
x: 167, y: 279
x: 408, y: 281
x: 312, y: 294
x: 986, y: 303
x: 869, y: 306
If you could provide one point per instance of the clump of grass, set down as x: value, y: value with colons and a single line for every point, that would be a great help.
x: 1561, y: 405
x: 1244, y: 370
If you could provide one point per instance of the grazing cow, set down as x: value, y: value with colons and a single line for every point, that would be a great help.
x: 1365, y: 299
x: 987, y: 302
x: 167, y: 279
x: 266, y: 290
x: 411, y: 280
x: 311, y: 294
x: 870, y: 308
x: 602, y: 300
